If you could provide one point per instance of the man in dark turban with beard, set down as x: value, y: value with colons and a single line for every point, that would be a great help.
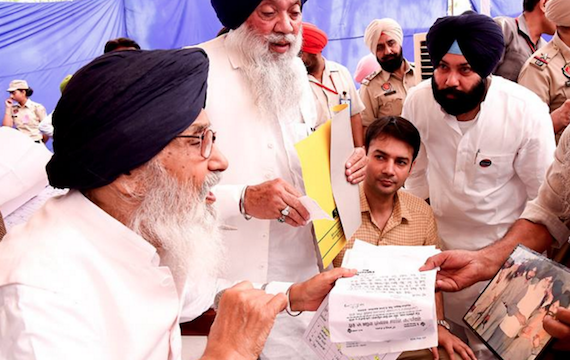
x: 108, y: 270
x: 486, y: 144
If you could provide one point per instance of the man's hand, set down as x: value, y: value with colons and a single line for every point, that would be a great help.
x: 559, y: 327
x: 244, y: 319
x: 309, y: 294
x: 561, y: 117
x: 8, y: 104
x: 268, y: 199
x: 356, y: 166
x: 453, y: 345
x: 460, y: 269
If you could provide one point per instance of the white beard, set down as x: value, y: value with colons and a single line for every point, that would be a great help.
x: 275, y: 81
x: 176, y: 219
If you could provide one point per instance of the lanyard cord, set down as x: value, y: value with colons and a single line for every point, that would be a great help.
x: 335, y: 91
x: 529, y: 42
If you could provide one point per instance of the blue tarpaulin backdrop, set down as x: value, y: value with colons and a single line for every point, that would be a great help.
x: 43, y: 42
x: 512, y: 8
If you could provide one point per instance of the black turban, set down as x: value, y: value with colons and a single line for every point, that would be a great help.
x: 121, y: 110
x: 233, y: 13
x: 478, y: 36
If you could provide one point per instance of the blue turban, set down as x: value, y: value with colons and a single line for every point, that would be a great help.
x: 121, y: 110
x: 233, y: 13
x: 480, y: 40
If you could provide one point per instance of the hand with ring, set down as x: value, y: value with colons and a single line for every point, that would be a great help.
x: 284, y: 213
x: 276, y: 199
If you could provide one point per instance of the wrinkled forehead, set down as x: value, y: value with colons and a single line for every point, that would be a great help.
x: 279, y: 3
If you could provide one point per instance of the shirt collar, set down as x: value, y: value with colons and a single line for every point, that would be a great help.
x: 131, y: 247
x: 235, y: 57
x: 385, y: 75
x: 523, y: 26
x: 564, y: 49
x: 400, y: 212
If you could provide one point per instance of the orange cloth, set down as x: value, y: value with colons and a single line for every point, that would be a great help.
x: 314, y: 39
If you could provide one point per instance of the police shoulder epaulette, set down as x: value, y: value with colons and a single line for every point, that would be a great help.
x: 366, y: 81
x: 541, y: 60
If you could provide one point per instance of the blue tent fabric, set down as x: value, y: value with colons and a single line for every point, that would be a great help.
x: 43, y: 42
x: 345, y: 23
x: 510, y: 8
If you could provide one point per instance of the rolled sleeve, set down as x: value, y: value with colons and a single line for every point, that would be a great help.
x: 551, y: 208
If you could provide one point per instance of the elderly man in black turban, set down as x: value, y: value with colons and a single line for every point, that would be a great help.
x: 260, y: 100
x: 486, y: 144
x: 108, y: 270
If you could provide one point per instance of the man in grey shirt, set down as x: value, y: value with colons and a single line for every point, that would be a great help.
x: 522, y: 37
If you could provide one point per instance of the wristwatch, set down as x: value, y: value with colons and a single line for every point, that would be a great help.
x: 445, y: 324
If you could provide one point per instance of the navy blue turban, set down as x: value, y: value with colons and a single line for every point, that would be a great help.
x: 479, y: 38
x: 233, y: 13
x: 121, y: 110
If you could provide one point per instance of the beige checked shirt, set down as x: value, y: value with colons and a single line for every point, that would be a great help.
x: 411, y: 224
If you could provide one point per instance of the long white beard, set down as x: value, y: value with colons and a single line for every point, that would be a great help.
x: 275, y: 81
x: 176, y: 219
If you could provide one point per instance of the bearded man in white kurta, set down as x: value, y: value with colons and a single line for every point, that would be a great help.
x: 260, y: 102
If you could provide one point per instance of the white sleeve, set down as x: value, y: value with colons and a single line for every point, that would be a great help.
x: 537, y: 152
x: 417, y: 182
x: 227, y: 200
x: 39, y: 324
x: 46, y: 126
x: 357, y: 106
x: 200, y: 297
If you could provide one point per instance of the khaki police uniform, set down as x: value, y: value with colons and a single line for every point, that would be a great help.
x: 547, y: 73
x: 518, y: 46
x: 383, y: 93
x: 27, y: 118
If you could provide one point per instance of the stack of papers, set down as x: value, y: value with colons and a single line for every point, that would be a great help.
x: 387, y: 308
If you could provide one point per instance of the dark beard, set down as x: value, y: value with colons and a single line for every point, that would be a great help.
x: 391, y: 63
x: 463, y: 101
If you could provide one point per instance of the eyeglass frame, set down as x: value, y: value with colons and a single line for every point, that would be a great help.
x: 205, y: 153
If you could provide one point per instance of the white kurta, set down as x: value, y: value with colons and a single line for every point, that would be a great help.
x: 479, y: 182
x: 22, y: 169
x: 259, y: 150
x: 77, y: 284
x: 337, y: 84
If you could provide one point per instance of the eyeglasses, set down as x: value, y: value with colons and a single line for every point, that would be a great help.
x: 207, y: 140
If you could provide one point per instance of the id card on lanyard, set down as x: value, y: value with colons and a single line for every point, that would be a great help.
x: 344, y: 99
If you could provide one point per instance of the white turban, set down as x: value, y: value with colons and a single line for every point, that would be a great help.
x: 558, y: 11
x: 377, y: 27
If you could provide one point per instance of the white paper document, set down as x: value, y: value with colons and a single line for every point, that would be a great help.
x: 317, y: 337
x: 315, y: 211
x: 389, y: 306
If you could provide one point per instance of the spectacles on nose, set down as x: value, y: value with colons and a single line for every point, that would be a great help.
x: 207, y: 140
